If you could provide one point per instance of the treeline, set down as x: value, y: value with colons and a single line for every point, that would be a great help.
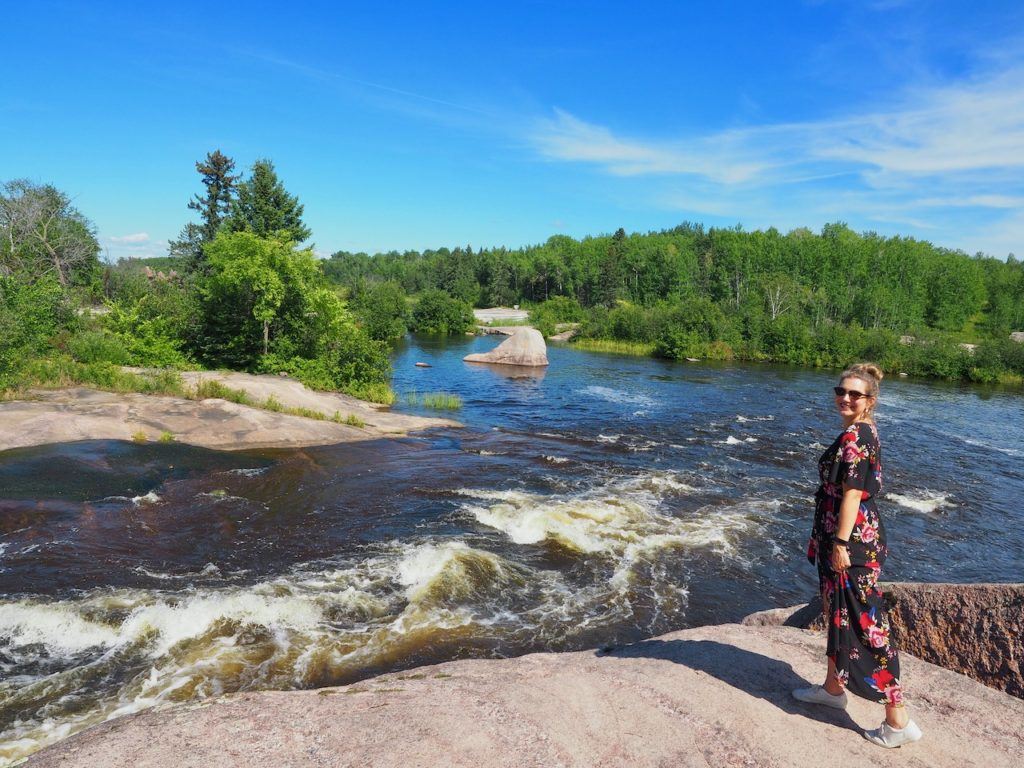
x: 237, y: 291
x: 801, y: 297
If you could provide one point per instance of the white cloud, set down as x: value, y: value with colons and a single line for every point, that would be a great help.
x: 969, y: 126
x: 138, y: 237
x: 957, y: 147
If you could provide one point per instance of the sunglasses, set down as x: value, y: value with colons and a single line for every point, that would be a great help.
x: 853, y: 394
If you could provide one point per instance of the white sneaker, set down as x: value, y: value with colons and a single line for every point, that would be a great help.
x: 816, y: 694
x: 887, y: 736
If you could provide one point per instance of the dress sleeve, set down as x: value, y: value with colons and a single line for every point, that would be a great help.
x: 856, y: 448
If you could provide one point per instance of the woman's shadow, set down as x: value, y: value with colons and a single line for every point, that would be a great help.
x: 754, y: 674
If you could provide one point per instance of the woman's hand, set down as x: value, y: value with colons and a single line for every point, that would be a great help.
x: 840, y: 558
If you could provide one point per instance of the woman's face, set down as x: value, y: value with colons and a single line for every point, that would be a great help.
x: 850, y: 404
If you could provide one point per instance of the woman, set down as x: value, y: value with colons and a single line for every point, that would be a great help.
x: 848, y: 543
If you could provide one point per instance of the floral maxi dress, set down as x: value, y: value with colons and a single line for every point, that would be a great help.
x: 858, y: 627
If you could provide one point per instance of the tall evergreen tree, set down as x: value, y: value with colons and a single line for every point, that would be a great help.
x: 610, y: 277
x: 264, y: 207
x: 214, y: 207
x: 220, y: 186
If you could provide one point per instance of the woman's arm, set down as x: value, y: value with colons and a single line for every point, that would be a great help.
x: 848, y: 509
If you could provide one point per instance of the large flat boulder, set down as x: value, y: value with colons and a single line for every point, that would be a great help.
x: 525, y: 347
x: 711, y: 696
x: 65, y: 415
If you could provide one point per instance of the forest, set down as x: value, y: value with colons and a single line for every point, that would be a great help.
x: 819, y: 299
x: 238, y: 290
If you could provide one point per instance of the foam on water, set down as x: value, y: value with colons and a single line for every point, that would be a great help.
x: 57, y: 627
x: 208, y: 571
x: 620, y: 519
x: 618, y: 396
x: 148, y: 498
x: 921, y: 501
x: 992, y: 447
x: 313, y: 626
x: 248, y: 471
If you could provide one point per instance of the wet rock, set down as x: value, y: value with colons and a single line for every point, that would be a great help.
x: 525, y: 347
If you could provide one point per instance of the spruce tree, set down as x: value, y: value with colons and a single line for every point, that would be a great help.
x: 214, y: 207
x: 264, y: 207
x: 220, y: 185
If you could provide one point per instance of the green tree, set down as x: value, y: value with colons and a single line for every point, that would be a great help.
x: 264, y: 207
x: 249, y: 282
x: 220, y: 185
x: 43, y: 234
x: 382, y: 311
x: 609, y: 286
x: 437, y: 312
x: 956, y: 291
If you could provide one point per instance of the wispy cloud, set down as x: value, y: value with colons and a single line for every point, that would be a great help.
x: 977, y: 125
x: 138, y: 237
x: 955, y: 146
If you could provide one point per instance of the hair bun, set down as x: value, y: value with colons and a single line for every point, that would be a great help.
x: 871, y: 370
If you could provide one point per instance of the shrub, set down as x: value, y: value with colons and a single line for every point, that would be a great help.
x: 155, y: 328
x: 30, y: 315
x: 382, y: 311
x: 437, y: 312
x: 98, y: 346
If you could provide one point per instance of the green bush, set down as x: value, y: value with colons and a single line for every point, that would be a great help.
x: 353, y: 362
x: 30, y: 315
x: 98, y: 346
x: 382, y: 311
x: 437, y: 312
x: 558, y: 309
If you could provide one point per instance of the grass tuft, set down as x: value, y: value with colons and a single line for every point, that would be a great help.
x: 442, y: 401
x: 373, y: 393
x: 207, y: 388
x: 614, y: 346
x: 351, y: 420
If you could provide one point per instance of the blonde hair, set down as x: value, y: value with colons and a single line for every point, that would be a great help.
x: 871, y: 375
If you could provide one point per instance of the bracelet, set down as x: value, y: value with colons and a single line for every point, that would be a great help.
x: 845, y: 543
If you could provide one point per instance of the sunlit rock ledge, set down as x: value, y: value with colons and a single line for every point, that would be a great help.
x: 974, y: 629
x: 65, y: 415
x: 710, y: 696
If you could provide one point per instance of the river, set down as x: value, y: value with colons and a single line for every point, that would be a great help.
x: 609, y: 499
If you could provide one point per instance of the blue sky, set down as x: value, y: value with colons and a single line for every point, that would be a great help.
x: 413, y: 125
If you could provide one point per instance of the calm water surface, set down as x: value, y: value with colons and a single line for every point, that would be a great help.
x: 608, y: 499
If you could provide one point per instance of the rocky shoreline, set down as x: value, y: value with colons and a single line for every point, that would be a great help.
x: 710, y: 696
x: 66, y: 415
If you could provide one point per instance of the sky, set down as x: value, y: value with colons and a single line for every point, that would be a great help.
x: 412, y: 125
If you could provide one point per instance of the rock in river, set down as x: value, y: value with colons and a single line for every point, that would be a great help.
x: 525, y: 347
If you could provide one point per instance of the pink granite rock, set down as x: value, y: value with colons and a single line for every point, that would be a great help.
x: 525, y: 347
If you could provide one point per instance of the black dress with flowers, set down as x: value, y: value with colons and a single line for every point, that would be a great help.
x: 858, y: 627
